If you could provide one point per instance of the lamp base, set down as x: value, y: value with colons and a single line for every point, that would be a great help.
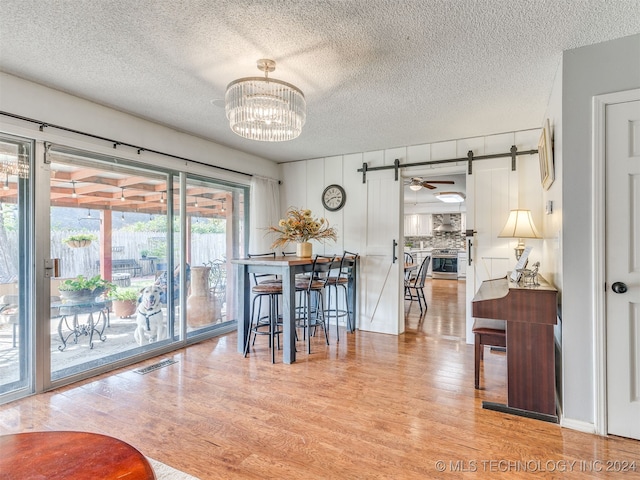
x: 519, y: 248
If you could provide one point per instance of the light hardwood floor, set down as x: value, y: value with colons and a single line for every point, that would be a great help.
x: 372, y: 406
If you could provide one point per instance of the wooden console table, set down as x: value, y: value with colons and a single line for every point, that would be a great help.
x: 70, y: 455
x: 530, y: 313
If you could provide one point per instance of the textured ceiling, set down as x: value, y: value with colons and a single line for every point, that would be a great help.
x: 376, y: 73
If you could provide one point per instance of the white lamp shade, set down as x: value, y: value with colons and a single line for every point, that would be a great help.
x: 519, y: 225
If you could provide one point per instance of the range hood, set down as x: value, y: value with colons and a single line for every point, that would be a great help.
x: 446, y: 225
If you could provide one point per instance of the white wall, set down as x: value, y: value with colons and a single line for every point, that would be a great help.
x: 588, y: 71
x: 304, y: 182
x: 45, y: 104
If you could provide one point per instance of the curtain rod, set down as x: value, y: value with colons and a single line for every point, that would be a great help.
x: 117, y: 143
x: 469, y: 158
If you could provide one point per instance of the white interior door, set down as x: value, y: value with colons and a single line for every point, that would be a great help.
x: 491, y: 192
x: 382, y: 264
x: 623, y: 268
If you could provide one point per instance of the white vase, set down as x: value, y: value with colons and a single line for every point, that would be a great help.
x: 304, y: 249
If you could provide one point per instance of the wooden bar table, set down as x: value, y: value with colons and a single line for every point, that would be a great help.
x: 286, y: 268
x: 67, y: 455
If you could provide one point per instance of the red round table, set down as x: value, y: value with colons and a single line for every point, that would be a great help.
x: 70, y: 455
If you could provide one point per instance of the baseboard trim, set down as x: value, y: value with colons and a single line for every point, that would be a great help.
x: 501, y: 407
x: 579, y: 425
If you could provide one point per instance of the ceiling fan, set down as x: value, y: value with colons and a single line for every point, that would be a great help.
x: 416, y: 183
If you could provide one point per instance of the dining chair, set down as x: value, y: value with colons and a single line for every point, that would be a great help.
x: 313, y: 314
x: 269, y: 287
x: 414, y: 287
x: 408, y: 260
x: 340, y: 283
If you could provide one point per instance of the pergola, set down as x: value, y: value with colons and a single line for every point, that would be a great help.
x: 112, y: 188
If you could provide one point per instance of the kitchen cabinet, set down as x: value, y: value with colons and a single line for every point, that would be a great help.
x: 410, y: 225
x: 418, y: 225
x: 462, y: 264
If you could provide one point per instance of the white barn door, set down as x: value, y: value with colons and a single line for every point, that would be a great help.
x: 382, y: 265
x: 491, y: 191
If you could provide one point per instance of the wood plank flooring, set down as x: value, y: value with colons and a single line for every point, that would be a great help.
x: 372, y: 406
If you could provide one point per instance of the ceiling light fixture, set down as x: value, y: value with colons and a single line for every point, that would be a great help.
x: 265, y: 109
x: 74, y: 194
x: 416, y: 187
x: 161, y: 197
x: 450, y: 197
x: 122, y: 195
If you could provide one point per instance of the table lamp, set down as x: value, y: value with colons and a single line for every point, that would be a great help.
x: 519, y: 225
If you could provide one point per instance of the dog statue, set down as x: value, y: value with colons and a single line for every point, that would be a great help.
x: 149, y: 317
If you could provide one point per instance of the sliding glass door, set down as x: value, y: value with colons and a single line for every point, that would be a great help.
x: 16, y: 328
x: 214, y: 235
x: 112, y: 234
x: 136, y: 262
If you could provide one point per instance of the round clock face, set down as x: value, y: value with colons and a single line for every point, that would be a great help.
x: 334, y: 197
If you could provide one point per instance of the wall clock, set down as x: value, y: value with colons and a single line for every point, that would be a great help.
x: 334, y: 198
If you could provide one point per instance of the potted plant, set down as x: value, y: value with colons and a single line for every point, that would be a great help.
x: 300, y: 226
x: 124, y: 301
x: 82, y: 289
x: 144, y: 253
x: 79, y: 240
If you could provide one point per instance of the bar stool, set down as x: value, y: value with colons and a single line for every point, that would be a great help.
x: 267, y: 286
x: 340, y: 282
x: 313, y: 315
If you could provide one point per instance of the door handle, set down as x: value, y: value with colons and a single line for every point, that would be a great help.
x: 619, y: 287
x: 469, y: 234
x: 393, y: 252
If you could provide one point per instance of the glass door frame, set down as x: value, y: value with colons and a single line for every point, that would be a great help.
x: 37, y: 250
x: 26, y: 292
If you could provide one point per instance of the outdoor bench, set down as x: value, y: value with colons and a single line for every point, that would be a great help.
x: 128, y: 265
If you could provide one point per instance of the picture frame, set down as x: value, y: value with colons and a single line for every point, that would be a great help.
x: 545, y: 155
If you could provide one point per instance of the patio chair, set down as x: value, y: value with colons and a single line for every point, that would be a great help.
x: 9, y: 313
x: 161, y: 281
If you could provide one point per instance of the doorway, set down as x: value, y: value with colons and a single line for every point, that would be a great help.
x: 434, y: 228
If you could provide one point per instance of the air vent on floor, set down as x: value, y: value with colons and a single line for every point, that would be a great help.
x: 155, y: 366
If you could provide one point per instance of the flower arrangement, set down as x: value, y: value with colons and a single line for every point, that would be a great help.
x: 299, y: 225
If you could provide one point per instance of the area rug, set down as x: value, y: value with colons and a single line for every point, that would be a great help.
x: 165, y: 472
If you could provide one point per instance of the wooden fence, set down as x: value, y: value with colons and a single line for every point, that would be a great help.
x: 205, y: 247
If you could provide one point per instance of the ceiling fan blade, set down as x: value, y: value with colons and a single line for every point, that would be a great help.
x: 426, y: 185
x: 448, y: 182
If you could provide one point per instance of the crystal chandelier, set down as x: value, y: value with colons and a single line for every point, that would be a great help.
x: 265, y: 109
